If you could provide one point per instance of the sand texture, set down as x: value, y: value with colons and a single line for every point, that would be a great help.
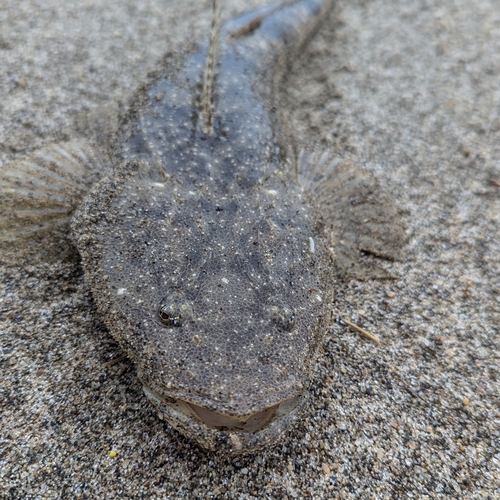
x: 410, y: 91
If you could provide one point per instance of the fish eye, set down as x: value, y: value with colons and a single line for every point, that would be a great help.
x: 282, y: 315
x: 173, y: 311
x: 169, y: 318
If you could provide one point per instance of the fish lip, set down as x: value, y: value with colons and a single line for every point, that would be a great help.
x: 238, y: 405
x: 239, y: 408
x: 248, y: 423
x: 236, y: 440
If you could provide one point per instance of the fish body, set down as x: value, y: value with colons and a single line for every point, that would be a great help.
x: 198, y: 247
x: 212, y: 240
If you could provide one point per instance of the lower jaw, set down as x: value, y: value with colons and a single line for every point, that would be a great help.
x: 232, y: 442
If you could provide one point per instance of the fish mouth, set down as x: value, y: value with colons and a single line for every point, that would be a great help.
x: 249, y: 423
x: 252, y: 423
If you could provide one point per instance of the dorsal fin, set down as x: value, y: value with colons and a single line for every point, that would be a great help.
x: 208, y: 80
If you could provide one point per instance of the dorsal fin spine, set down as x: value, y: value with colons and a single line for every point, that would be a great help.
x: 208, y: 83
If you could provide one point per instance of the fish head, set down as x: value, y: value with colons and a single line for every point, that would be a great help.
x: 217, y: 300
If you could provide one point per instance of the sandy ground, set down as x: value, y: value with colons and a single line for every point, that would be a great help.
x: 410, y: 90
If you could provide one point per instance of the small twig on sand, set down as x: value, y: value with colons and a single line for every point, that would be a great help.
x: 363, y: 332
x: 112, y: 362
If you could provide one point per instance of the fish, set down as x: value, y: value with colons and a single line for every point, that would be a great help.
x: 210, y: 239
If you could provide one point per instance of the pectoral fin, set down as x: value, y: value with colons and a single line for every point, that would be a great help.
x: 38, y: 195
x: 362, y: 219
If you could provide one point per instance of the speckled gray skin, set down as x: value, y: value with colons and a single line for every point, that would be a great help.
x: 201, y: 248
